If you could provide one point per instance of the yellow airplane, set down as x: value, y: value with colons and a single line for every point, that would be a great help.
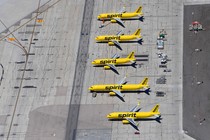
x: 115, y: 60
x: 115, y: 89
x: 134, y: 114
x: 116, y: 39
x: 121, y: 15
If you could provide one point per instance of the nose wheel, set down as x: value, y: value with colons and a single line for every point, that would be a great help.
x: 94, y: 94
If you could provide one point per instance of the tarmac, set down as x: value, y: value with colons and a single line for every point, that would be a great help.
x: 38, y: 91
x: 46, y: 83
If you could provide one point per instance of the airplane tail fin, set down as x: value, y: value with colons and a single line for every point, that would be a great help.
x: 139, y: 10
x: 131, y: 56
x: 155, y: 109
x: 145, y: 82
x: 137, y: 32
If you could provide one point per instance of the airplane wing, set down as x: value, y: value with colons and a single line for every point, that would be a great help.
x: 118, y: 93
x: 136, y: 108
x: 115, y: 56
x: 122, y: 82
x: 119, y: 33
x: 112, y: 66
x: 133, y: 123
x: 119, y: 21
x: 117, y: 44
x: 122, y: 10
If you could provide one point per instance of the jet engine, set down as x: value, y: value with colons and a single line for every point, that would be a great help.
x: 106, y: 67
x: 125, y: 122
x: 112, y: 93
x: 113, y: 21
x: 110, y: 43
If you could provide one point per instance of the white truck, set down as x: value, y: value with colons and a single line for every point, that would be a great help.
x: 160, y: 43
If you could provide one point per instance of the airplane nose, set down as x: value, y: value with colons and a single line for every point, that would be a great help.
x: 99, y: 16
x: 93, y: 62
x: 108, y: 116
x: 90, y: 88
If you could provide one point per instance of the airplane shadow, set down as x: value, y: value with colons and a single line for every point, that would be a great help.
x: 121, y: 65
x: 121, y: 24
x: 122, y: 99
x: 140, y: 19
x: 158, y: 119
x: 115, y: 71
x: 147, y: 91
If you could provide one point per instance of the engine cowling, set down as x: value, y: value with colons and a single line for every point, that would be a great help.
x: 106, y: 67
x: 113, y: 21
x: 112, y: 94
x: 125, y: 122
x: 110, y: 43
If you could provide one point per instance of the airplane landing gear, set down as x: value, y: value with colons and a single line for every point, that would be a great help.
x: 94, y: 94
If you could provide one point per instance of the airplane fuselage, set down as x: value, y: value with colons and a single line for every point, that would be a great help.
x: 118, y: 61
x: 134, y: 115
x: 106, y: 16
x: 121, y: 38
x: 110, y: 87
